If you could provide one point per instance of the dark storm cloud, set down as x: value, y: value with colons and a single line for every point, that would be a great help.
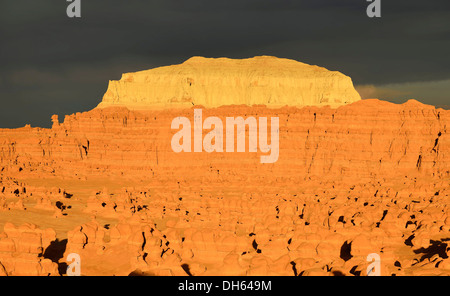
x: 52, y: 64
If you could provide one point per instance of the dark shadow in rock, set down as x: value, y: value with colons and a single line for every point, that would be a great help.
x: 437, y: 247
x: 408, y: 241
x: 186, y: 269
x: 55, y: 252
x: 337, y: 273
x: 294, y: 268
x: 354, y: 271
x: 139, y: 272
x: 346, y: 251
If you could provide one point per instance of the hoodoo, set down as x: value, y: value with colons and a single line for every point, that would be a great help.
x: 209, y: 82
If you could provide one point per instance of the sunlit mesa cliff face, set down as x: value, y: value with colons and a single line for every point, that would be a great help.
x: 367, y: 139
x: 208, y: 82
x: 365, y: 177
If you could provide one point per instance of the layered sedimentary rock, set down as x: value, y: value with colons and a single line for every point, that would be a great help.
x: 367, y: 139
x: 263, y: 80
x: 367, y: 177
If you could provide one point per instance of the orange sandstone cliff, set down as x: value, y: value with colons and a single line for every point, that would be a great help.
x: 353, y: 177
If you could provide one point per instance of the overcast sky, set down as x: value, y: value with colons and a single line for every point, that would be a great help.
x: 51, y: 64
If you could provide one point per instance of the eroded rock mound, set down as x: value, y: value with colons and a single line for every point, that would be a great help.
x: 22, y: 249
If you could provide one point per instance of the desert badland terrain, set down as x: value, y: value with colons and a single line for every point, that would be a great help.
x: 353, y: 177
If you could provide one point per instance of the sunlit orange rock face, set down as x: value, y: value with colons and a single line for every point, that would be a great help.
x: 351, y: 180
x: 263, y: 80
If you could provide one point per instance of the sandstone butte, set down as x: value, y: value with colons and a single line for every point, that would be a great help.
x: 354, y: 177
x: 211, y: 83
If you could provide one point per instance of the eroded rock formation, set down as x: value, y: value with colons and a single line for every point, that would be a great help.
x: 22, y: 250
x: 367, y: 177
x: 213, y: 83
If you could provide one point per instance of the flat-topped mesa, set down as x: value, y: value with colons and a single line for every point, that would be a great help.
x: 211, y: 82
